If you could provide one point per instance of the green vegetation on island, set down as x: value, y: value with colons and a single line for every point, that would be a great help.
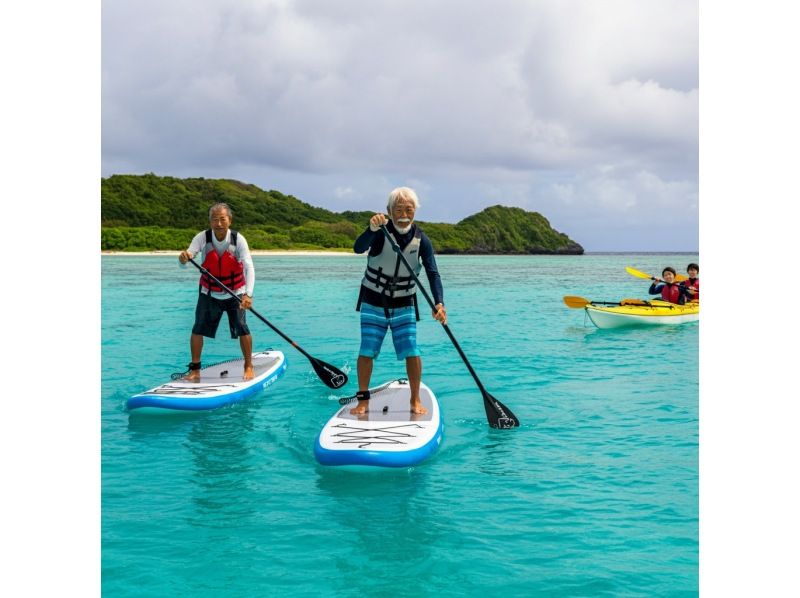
x: 149, y: 212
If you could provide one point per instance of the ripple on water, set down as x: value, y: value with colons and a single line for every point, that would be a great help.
x: 595, y: 494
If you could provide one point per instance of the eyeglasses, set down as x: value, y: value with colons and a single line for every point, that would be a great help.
x: 404, y: 209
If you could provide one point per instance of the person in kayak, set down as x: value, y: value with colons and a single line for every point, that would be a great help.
x: 693, y: 282
x: 225, y: 254
x: 668, y: 288
x: 387, y: 296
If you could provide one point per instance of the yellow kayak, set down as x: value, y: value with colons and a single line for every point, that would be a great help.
x: 652, y: 313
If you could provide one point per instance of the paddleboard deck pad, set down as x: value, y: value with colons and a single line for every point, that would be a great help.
x: 387, y: 435
x: 219, y: 385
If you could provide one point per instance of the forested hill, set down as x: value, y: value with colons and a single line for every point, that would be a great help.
x: 149, y: 212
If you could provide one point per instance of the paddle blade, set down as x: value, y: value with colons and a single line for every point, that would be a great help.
x: 498, y: 415
x: 576, y: 302
x: 331, y: 376
x: 637, y: 273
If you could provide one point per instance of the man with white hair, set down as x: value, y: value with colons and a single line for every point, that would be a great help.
x: 387, y: 298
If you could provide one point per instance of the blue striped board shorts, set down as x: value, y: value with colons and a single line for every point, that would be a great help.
x: 402, y: 321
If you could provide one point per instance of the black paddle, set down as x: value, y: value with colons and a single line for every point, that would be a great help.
x: 330, y: 375
x: 498, y: 415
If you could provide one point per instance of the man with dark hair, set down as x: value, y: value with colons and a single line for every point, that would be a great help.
x: 225, y: 254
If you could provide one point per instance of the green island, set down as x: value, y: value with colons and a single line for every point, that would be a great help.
x: 150, y: 213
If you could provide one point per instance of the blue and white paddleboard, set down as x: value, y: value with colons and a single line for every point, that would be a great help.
x: 219, y: 385
x: 388, y: 435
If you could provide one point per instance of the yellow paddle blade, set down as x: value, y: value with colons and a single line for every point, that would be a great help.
x: 576, y: 302
x: 639, y: 274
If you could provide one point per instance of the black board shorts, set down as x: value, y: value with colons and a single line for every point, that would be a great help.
x: 209, y: 312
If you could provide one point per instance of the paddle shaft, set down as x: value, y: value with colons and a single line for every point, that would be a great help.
x: 330, y: 375
x: 429, y: 299
x: 579, y: 302
x: 496, y: 405
x: 253, y: 311
x: 616, y: 303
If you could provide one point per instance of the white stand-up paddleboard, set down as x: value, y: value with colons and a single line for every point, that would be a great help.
x: 387, y: 435
x: 219, y: 385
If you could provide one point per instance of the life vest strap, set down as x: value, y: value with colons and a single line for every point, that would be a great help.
x: 234, y: 237
x: 397, y: 283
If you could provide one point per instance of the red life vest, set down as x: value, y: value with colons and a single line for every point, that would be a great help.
x: 225, y: 267
x: 671, y: 292
x: 693, y: 283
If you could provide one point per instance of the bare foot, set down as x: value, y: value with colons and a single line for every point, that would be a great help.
x: 417, y: 408
x: 360, y: 409
x: 193, y: 376
x: 248, y: 373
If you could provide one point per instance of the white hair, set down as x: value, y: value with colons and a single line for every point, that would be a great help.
x: 402, y: 193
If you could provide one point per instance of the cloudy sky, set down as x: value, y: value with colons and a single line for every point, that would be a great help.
x: 584, y: 111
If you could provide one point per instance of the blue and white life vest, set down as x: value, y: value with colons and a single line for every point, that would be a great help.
x: 387, y: 274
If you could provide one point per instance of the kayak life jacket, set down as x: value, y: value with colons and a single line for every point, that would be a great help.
x: 387, y: 275
x: 225, y: 267
x: 672, y: 293
x: 693, y: 283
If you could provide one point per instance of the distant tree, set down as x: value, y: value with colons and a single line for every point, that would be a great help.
x: 149, y: 212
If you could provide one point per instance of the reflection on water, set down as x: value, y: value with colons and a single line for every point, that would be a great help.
x: 223, y: 465
x: 142, y: 425
x: 220, y: 462
x: 500, y: 451
x: 384, y: 523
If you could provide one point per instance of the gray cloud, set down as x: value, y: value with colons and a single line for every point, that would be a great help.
x: 584, y: 111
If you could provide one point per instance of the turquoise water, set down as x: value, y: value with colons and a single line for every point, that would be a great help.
x: 596, y: 494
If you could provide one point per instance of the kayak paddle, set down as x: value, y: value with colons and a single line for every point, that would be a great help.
x: 580, y: 302
x: 639, y: 274
x: 497, y: 414
x: 330, y: 375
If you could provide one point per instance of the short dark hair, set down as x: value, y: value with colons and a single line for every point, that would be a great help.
x: 220, y: 206
x: 668, y: 269
x: 693, y: 265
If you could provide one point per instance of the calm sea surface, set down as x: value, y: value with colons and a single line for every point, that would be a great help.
x: 596, y: 494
